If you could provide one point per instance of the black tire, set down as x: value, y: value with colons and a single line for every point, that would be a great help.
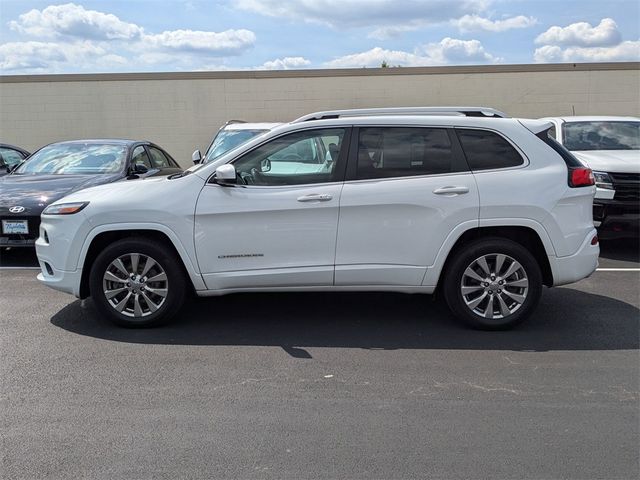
x: 491, y: 247
x: 166, y: 261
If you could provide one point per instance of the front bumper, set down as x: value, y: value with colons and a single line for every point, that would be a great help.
x: 68, y: 282
x: 581, y: 264
x: 19, y: 240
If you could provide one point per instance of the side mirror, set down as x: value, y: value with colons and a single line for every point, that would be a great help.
x: 196, y: 157
x: 265, y: 165
x: 226, y: 174
x: 139, y: 169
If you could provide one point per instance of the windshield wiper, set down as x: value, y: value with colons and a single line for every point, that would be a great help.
x: 179, y: 175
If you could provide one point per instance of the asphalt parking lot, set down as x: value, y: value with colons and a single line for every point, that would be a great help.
x: 322, y: 386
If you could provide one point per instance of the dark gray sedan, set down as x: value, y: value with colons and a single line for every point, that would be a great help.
x: 65, y: 167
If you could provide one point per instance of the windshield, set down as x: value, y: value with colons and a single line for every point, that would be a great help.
x: 227, y: 140
x: 601, y: 135
x: 76, y: 158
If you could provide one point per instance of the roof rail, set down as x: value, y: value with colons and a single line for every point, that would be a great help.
x: 359, y: 112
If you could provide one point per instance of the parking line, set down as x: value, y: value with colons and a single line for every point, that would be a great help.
x: 19, y: 268
x: 618, y: 269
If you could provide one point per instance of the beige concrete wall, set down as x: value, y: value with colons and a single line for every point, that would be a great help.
x: 182, y: 111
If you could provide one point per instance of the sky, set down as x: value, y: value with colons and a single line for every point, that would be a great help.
x: 95, y: 36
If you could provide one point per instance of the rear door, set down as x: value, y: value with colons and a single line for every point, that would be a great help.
x: 407, y: 188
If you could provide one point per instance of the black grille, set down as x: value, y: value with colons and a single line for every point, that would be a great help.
x: 627, y: 186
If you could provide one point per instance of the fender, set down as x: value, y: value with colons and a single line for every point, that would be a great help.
x: 193, y: 272
x: 433, y: 272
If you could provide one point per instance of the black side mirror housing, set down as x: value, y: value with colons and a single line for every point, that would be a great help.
x: 139, y: 169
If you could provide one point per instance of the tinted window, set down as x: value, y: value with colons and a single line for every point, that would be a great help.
x: 401, y: 152
x: 158, y: 159
x: 601, y: 135
x: 487, y: 150
x: 140, y: 157
x: 294, y: 159
x: 75, y: 158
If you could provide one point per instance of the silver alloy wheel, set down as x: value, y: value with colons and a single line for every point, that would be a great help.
x: 494, y: 286
x: 135, y: 285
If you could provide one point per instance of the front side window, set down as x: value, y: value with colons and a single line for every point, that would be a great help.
x: 400, y: 152
x: 601, y: 135
x: 295, y: 159
x: 140, y: 157
x: 75, y: 158
x: 487, y: 150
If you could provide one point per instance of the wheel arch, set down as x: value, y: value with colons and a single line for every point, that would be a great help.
x: 105, y: 235
x: 526, y: 235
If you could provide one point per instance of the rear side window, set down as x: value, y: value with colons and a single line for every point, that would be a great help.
x: 158, y: 159
x: 487, y: 150
x: 400, y: 152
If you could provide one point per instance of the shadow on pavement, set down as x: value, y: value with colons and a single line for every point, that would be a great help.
x: 566, y: 319
x: 626, y: 250
x: 18, y: 257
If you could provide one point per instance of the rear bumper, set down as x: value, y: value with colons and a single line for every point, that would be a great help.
x: 575, y: 267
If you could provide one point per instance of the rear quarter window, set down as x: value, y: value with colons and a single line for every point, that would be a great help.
x: 486, y: 150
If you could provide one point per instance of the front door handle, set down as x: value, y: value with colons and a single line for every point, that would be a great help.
x: 315, y: 197
x: 451, y: 191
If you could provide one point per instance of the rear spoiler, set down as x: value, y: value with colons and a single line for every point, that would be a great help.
x: 535, y: 126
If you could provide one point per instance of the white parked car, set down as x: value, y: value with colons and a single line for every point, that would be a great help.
x: 610, y: 146
x: 229, y: 136
x: 485, y: 209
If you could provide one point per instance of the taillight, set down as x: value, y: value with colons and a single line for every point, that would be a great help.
x: 581, y: 177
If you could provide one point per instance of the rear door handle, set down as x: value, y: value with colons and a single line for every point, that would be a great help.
x: 451, y: 191
x: 315, y: 197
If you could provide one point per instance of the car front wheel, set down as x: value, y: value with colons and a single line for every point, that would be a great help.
x: 137, y: 283
x: 493, y: 284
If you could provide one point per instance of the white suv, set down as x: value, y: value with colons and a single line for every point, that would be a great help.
x: 485, y: 209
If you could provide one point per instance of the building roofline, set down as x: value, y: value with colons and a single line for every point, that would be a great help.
x: 317, y: 73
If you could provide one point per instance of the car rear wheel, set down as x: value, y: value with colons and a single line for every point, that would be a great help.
x: 493, y: 284
x: 137, y: 283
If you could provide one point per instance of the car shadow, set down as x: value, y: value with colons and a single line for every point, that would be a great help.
x: 625, y: 249
x: 566, y: 319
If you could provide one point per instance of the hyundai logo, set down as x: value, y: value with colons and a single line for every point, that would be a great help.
x: 17, y: 209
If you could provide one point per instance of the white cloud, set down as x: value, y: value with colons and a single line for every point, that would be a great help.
x: 582, y: 34
x: 448, y: 50
x: 286, y: 63
x: 88, y: 40
x: 74, y: 21
x: 53, y: 56
x: 389, y: 17
x: 624, y: 51
x: 474, y: 23
x: 229, y: 42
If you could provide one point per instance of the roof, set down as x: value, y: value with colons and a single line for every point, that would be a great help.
x: 251, y: 126
x: 112, y: 141
x: 593, y: 118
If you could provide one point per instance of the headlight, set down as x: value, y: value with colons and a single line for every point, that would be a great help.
x: 64, y: 208
x: 603, y: 180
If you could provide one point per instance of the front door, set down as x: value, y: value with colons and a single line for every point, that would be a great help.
x: 277, y: 226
